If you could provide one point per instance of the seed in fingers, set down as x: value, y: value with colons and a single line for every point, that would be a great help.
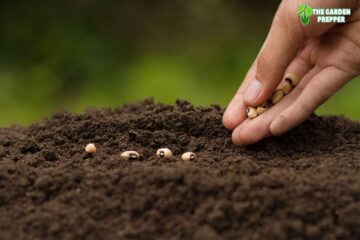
x: 262, y: 108
x: 277, y: 96
x: 286, y: 88
x: 292, y: 79
x: 251, y: 112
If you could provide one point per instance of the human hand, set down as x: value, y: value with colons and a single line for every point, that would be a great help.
x: 323, y: 56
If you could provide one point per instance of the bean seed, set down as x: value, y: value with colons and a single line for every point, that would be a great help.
x: 130, y: 155
x: 292, y: 79
x: 90, y: 148
x: 188, y: 156
x: 286, y: 88
x: 277, y: 96
x: 164, y: 153
x: 262, y: 108
x: 251, y: 112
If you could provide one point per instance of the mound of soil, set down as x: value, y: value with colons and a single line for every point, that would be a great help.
x: 303, y: 185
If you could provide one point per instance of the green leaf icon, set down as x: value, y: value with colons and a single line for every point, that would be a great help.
x: 305, y: 11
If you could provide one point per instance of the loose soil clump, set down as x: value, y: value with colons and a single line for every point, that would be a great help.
x: 302, y: 185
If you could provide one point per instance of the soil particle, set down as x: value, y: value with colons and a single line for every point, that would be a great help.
x: 302, y: 185
x: 206, y: 233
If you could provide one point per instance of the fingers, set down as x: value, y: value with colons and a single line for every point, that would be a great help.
x: 284, y: 41
x: 319, y: 89
x: 251, y: 131
x: 286, y: 37
x: 250, y: 88
x: 236, y: 110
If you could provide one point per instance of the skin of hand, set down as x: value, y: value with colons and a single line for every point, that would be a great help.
x: 325, y: 56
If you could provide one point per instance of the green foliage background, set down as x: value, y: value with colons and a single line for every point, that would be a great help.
x: 71, y: 55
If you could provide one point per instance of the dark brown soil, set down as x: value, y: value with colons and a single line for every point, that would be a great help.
x: 303, y: 185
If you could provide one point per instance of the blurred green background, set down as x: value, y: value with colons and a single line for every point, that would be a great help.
x: 71, y: 55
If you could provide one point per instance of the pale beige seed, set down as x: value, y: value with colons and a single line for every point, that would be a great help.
x: 286, y: 88
x: 251, y: 112
x: 164, y: 153
x: 90, y: 148
x: 277, y: 96
x: 188, y: 156
x: 262, y: 108
x: 130, y: 155
x: 292, y: 79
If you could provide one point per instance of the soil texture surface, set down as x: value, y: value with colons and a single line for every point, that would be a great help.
x: 302, y: 185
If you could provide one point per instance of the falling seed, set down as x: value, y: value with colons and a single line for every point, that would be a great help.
x: 251, y: 112
x: 292, y: 79
x: 130, y: 155
x: 262, y: 108
x: 286, y: 88
x: 188, y: 156
x: 277, y: 96
x: 90, y: 148
x: 164, y: 153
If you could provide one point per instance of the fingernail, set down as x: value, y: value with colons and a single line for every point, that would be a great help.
x: 253, y: 91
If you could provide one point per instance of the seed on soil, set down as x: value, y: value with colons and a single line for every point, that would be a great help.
x: 251, y: 112
x: 292, y: 79
x: 164, y: 153
x: 286, y: 88
x: 262, y: 108
x: 188, y: 156
x: 277, y: 96
x: 90, y: 148
x: 130, y: 155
